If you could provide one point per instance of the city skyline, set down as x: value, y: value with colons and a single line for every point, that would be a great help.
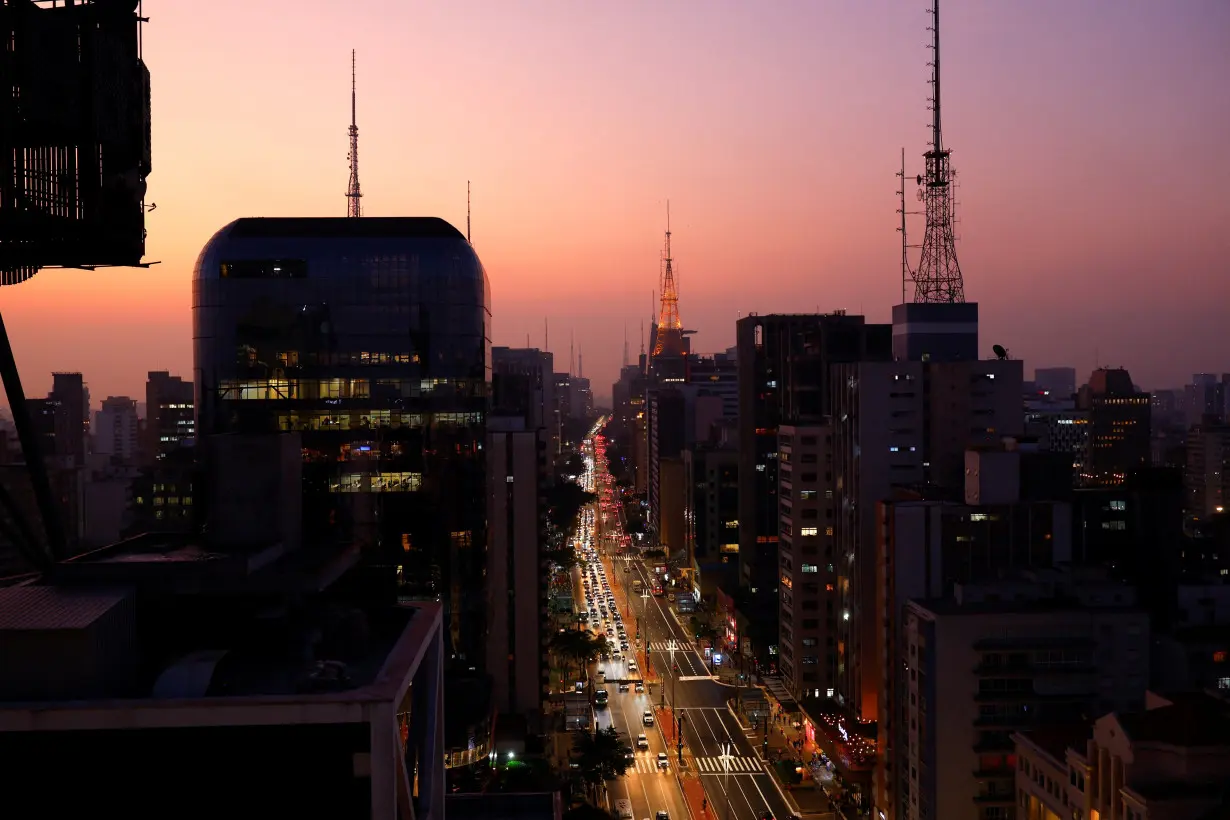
x: 576, y: 125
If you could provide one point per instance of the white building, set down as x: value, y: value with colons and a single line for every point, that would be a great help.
x: 116, y: 428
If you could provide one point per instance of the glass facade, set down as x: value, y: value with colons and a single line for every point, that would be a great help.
x: 371, y: 339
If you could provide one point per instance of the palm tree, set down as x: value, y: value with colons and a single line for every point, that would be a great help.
x: 601, y: 756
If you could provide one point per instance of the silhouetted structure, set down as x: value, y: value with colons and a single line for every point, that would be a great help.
x: 75, y: 134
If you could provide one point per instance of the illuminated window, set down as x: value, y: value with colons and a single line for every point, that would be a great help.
x: 809, y: 531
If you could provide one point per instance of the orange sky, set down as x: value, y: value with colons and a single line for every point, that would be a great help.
x: 1090, y: 141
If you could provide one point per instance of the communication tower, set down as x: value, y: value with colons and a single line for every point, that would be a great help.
x: 938, y: 276
x: 353, y: 193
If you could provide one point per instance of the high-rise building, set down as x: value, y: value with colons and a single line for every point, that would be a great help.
x: 1119, y: 427
x: 523, y: 384
x: 70, y: 396
x: 711, y: 506
x: 516, y: 581
x: 370, y: 339
x: 668, y: 438
x: 582, y: 403
x: 170, y: 414
x: 1049, y: 647
x: 901, y: 423
x: 784, y: 364
x: 808, y: 614
x: 116, y: 430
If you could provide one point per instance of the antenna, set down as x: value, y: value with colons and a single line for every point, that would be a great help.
x: 572, y: 357
x: 353, y: 193
x: 468, y: 211
x: 625, y: 344
x: 906, y: 274
x: 546, y: 335
x: 938, y: 277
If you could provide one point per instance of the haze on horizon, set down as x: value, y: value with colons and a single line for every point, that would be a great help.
x: 1089, y: 139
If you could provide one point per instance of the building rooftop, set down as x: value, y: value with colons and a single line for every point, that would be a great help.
x: 372, y: 227
x: 1191, y: 720
x: 1055, y: 740
x: 39, y: 608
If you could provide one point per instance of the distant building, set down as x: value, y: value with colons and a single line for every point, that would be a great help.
x: 71, y: 398
x: 1056, y: 382
x: 170, y: 415
x: 1207, y: 476
x: 116, y: 429
x: 1119, y: 425
x: 523, y: 384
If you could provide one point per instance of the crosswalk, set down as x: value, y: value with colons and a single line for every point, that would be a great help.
x: 648, y: 765
x: 738, y: 765
x: 664, y: 646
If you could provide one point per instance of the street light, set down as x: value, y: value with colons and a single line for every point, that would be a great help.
x: 726, y: 776
x: 670, y: 646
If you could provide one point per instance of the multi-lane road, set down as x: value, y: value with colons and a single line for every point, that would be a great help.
x: 718, y: 749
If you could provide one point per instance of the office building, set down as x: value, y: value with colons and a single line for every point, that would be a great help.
x: 516, y: 581
x: 1049, y: 647
x: 784, y: 364
x: 370, y: 339
x: 582, y: 400
x: 903, y: 423
x: 807, y: 620
x: 116, y: 430
x: 711, y: 486
x: 1119, y: 425
x: 170, y: 415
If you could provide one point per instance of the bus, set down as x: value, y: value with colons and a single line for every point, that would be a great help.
x: 600, y: 698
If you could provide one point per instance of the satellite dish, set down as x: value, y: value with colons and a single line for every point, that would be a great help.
x: 999, y: 352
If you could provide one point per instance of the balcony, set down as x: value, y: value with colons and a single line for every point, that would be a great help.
x: 994, y: 799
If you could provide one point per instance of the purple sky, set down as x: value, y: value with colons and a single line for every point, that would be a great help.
x: 1091, y: 138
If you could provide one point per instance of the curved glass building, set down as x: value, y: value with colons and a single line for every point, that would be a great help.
x: 371, y: 338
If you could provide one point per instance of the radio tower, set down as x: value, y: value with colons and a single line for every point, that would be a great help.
x: 669, y: 338
x: 353, y: 195
x: 938, y: 278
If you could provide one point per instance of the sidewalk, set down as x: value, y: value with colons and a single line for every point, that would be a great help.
x: 788, y: 743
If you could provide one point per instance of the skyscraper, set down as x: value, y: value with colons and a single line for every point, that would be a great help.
x: 370, y: 338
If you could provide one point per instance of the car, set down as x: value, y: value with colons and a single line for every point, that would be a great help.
x: 632, y: 666
x: 647, y: 718
x: 642, y: 742
x: 623, y: 686
x: 663, y: 761
x: 664, y: 815
x: 640, y: 688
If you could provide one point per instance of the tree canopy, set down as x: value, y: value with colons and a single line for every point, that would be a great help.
x: 601, y: 756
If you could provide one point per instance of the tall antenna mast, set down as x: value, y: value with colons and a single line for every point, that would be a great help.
x: 353, y: 193
x: 572, y: 356
x: 625, y: 344
x: 669, y: 339
x: 906, y: 274
x: 468, y: 210
x: 938, y: 278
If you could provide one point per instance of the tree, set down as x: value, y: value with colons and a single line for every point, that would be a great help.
x: 564, y: 502
x: 601, y: 756
x: 702, y: 630
x: 576, y: 646
x: 564, y: 558
x: 573, y: 465
x: 655, y: 553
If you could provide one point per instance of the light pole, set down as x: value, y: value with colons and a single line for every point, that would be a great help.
x: 670, y: 645
x: 726, y: 777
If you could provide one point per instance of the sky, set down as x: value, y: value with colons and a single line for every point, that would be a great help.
x: 1091, y: 140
